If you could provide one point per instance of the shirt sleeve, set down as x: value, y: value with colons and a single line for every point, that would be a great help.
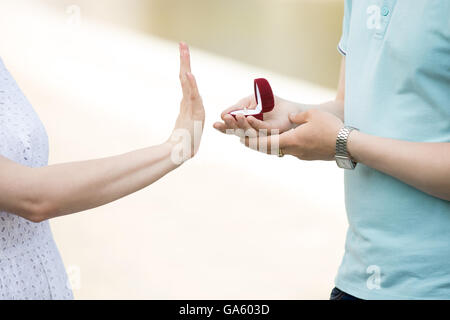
x: 342, y: 46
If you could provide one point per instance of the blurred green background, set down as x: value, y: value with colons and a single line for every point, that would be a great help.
x: 293, y: 37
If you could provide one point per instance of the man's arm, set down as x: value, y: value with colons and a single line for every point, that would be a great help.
x: 278, y: 119
x: 425, y: 166
x: 335, y: 107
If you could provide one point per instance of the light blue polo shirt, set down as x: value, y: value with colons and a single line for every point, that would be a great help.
x: 397, y: 86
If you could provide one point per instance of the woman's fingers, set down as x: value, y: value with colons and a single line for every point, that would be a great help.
x: 187, y: 79
x: 185, y: 59
x: 185, y: 67
x: 194, y: 93
x: 195, y: 98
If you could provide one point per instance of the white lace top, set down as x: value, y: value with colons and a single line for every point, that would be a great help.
x: 30, y: 264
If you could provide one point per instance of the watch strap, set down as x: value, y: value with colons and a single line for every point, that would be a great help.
x: 341, y: 146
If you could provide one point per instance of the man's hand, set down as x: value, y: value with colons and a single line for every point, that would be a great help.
x: 314, y: 138
x: 278, y: 119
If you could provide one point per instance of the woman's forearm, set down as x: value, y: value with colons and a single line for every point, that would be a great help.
x: 425, y: 166
x: 43, y: 193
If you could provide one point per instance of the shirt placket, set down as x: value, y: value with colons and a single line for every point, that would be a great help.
x: 386, y: 11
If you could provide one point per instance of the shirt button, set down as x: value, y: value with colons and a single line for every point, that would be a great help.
x: 385, y: 11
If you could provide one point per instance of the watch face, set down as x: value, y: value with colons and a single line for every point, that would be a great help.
x: 344, y: 163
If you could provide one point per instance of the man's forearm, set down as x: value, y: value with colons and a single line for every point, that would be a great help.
x: 335, y: 107
x: 425, y: 166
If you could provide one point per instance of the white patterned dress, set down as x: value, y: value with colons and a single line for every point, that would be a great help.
x: 30, y: 264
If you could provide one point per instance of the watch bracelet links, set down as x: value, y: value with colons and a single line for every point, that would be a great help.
x: 341, y: 142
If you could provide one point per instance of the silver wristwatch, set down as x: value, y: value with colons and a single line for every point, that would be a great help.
x: 343, y: 158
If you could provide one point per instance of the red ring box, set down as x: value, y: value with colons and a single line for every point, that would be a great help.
x: 264, y: 99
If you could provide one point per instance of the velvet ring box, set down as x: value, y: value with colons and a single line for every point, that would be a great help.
x: 264, y: 99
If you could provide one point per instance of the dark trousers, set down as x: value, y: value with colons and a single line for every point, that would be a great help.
x: 337, y: 294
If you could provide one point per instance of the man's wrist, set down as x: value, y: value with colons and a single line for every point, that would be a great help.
x: 343, y: 157
x: 353, y: 142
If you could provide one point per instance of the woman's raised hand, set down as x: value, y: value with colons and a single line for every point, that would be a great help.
x: 189, y: 126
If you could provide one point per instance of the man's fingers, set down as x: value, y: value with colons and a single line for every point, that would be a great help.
x: 299, y: 118
x: 243, y: 124
x: 249, y: 103
x: 258, y: 124
x: 230, y: 122
x: 231, y: 109
x: 224, y: 128
x: 262, y: 144
x: 268, y: 144
x: 220, y: 126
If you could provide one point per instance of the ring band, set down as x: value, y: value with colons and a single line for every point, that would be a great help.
x: 280, y: 153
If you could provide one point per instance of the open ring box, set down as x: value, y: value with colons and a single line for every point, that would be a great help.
x: 264, y: 99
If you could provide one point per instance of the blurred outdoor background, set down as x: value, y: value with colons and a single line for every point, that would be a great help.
x: 230, y: 224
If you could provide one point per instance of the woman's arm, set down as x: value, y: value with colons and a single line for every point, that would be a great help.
x: 38, y: 194
x: 425, y: 166
x: 48, y: 192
